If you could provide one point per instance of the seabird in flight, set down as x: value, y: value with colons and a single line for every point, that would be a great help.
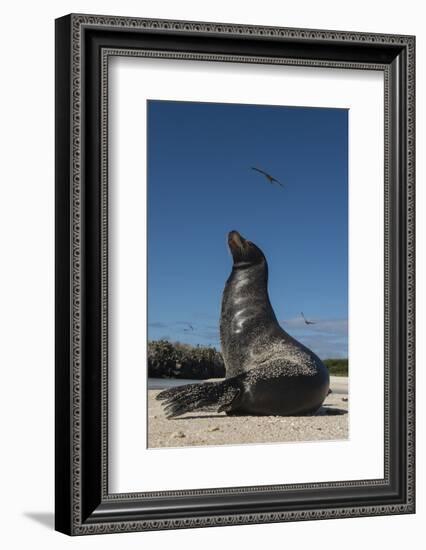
x: 306, y: 321
x: 270, y: 178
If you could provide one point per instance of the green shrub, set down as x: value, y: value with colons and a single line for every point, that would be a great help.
x: 337, y: 367
x: 176, y: 360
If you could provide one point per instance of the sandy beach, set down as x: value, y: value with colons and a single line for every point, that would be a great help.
x: 211, y: 428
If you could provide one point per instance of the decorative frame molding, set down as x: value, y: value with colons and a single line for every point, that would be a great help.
x: 84, y: 43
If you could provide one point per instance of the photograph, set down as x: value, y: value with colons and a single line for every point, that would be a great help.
x: 234, y: 267
x: 247, y: 258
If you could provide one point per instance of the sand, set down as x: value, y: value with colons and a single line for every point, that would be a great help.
x: 211, y: 428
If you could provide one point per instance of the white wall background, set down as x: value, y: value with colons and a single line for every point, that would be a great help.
x: 26, y: 289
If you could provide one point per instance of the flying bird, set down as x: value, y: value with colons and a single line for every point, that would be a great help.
x: 270, y: 178
x: 306, y: 321
x: 190, y: 328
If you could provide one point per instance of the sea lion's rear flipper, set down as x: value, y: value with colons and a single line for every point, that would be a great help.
x: 167, y: 394
x: 196, y: 397
x: 231, y: 402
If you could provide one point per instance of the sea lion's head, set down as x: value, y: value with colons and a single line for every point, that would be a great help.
x: 244, y: 252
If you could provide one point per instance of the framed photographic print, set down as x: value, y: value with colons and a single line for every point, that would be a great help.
x: 234, y: 274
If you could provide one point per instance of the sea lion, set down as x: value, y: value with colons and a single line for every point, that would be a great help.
x: 268, y: 372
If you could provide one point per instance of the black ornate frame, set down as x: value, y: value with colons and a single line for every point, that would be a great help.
x: 83, y: 45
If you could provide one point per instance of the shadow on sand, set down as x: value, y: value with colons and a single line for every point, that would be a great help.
x: 324, y: 411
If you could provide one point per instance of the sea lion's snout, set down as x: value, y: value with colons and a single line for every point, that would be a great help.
x: 235, y: 240
x: 244, y: 252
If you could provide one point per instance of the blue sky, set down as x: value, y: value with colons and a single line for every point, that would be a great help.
x: 201, y: 186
